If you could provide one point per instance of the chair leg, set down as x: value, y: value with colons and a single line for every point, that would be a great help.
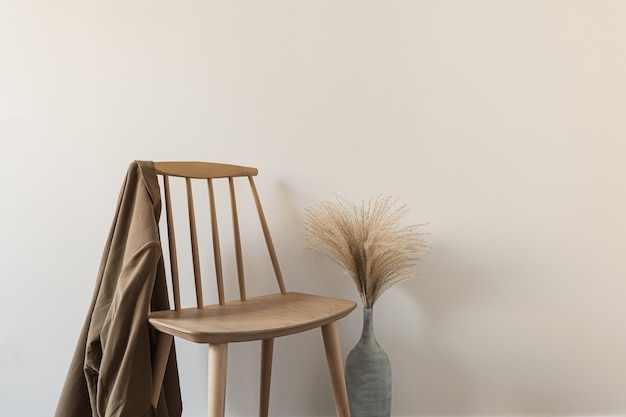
x: 335, y: 366
x: 218, y: 358
x: 267, y: 350
x: 159, y: 363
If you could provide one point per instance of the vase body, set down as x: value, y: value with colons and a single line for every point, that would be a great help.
x: 368, y: 374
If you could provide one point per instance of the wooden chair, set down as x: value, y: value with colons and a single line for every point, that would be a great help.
x: 262, y: 318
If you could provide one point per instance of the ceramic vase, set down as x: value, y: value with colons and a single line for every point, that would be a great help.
x: 368, y: 374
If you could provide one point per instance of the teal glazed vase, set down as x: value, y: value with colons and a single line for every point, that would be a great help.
x: 368, y: 374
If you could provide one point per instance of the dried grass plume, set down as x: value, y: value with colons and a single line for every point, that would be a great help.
x: 368, y: 241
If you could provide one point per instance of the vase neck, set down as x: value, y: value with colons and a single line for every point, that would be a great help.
x: 368, y: 324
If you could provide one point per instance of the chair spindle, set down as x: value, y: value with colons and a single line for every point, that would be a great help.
x: 171, y: 238
x: 257, y: 318
x: 194, y: 245
x: 237, y: 238
x: 216, y: 244
x: 268, y: 237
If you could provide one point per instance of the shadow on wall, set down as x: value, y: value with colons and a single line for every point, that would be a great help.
x: 428, y: 377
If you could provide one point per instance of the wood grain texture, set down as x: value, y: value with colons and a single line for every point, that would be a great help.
x: 203, y: 170
x: 218, y: 359
x: 254, y: 319
x: 259, y: 318
x: 267, y: 352
x: 335, y: 368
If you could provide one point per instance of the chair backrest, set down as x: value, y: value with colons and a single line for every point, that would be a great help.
x: 211, y: 173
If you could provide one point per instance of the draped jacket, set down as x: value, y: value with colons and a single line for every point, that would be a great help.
x: 110, y: 374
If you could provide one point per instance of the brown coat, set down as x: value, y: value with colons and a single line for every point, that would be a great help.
x: 111, y: 372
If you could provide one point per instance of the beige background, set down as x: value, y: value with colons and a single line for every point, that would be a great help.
x: 502, y: 123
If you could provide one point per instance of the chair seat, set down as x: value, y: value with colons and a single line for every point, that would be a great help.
x: 254, y: 319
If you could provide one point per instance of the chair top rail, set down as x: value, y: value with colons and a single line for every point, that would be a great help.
x: 203, y: 170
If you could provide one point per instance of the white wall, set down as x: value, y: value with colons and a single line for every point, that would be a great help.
x: 500, y: 122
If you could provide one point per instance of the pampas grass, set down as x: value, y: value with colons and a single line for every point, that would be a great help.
x: 368, y: 241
